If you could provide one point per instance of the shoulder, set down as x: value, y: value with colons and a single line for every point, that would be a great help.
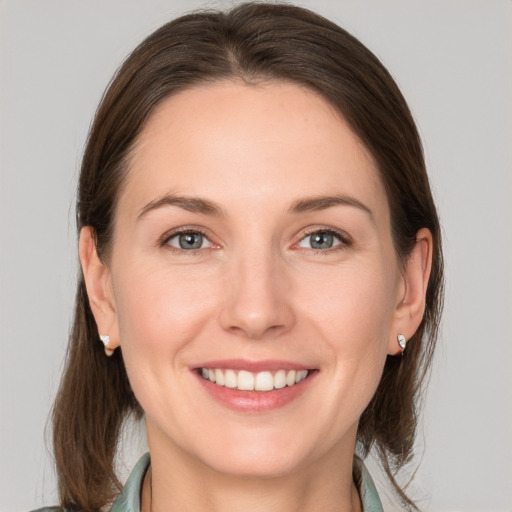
x: 128, y: 500
x: 56, y: 508
x: 49, y: 509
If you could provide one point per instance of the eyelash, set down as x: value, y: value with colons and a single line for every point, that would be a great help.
x: 344, y: 239
x: 178, y: 232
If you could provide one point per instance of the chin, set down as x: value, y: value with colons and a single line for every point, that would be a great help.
x: 258, y: 456
x: 257, y: 467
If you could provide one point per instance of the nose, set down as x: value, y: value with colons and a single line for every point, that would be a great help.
x: 257, y: 299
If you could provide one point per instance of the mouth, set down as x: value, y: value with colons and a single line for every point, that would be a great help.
x: 262, y: 381
x: 254, y: 387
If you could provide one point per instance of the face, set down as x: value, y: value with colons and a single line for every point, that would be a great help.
x: 252, y: 249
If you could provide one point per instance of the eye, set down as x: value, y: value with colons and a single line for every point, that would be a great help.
x: 188, y: 240
x: 321, y: 240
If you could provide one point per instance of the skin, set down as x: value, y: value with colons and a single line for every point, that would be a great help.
x: 256, y: 290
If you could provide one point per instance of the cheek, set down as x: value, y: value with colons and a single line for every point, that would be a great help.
x: 353, y: 315
x: 160, y: 311
x: 160, y: 314
x: 354, y: 303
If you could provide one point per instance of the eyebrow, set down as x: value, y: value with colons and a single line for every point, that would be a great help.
x: 317, y: 203
x: 206, y: 207
x: 191, y: 204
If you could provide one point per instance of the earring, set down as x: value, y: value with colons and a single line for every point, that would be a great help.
x: 105, y: 339
x: 402, y: 341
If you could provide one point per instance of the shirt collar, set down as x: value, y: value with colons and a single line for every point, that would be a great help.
x: 129, y: 499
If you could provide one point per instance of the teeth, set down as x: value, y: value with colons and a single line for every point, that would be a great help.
x: 230, y: 379
x: 264, y: 381
x: 290, y: 378
x: 247, y: 381
x: 280, y: 379
x: 219, y: 377
x: 301, y: 375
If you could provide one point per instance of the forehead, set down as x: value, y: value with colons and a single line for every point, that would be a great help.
x: 269, y: 142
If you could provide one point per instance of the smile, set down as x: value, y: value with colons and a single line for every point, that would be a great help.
x: 249, y: 381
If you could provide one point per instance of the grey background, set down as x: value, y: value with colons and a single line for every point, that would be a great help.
x: 453, y: 61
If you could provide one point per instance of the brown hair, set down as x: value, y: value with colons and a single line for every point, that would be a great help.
x: 250, y: 42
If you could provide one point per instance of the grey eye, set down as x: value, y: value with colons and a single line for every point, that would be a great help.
x: 188, y: 241
x: 320, y: 240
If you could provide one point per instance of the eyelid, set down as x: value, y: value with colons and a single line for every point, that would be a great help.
x: 343, y: 237
x: 164, y: 240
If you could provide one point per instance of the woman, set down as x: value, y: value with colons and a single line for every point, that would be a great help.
x: 261, y: 261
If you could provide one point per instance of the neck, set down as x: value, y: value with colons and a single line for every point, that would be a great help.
x: 178, y: 483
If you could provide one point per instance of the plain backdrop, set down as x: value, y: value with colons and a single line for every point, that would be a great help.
x: 453, y: 61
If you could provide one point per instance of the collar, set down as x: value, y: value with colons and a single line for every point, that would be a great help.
x: 129, y: 499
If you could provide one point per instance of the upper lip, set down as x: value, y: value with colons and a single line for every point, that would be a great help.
x: 252, y: 366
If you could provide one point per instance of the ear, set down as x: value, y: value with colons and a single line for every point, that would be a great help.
x: 98, y: 283
x: 411, y: 299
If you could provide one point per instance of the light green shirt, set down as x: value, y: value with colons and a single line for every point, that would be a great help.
x: 129, y: 499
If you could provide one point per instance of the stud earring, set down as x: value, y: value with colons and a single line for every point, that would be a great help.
x: 105, y: 339
x: 402, y: 341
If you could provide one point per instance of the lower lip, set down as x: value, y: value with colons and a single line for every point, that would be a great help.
x: 255, y: 401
